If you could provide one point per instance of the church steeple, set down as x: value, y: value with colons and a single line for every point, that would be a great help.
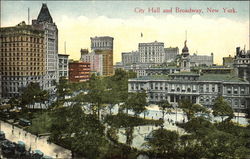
x: 44, y: 15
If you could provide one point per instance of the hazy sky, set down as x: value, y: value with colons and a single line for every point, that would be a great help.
x: 77, y: 21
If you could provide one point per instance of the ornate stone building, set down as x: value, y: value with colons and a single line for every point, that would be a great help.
x: 44, y: 21
x: 202, y: 88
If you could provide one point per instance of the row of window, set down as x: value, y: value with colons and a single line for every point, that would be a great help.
x: 22, y: 54
x: 20, y: 38
x: 21, y: 44
x: 22, y: 73
x: 22, y: 49
x: 22, y: 59
x: 20, y: 68
x: 20, y: 78
x: 22, y: 64
x: 185, y: 88
x: 235, y: 90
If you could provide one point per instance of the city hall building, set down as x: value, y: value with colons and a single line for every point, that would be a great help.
x: 201, y: 88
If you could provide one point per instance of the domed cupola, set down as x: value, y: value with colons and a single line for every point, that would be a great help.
x: 185, y: 51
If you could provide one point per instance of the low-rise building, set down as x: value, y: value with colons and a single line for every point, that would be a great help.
x: 79, y: 71
x: 200, y: 87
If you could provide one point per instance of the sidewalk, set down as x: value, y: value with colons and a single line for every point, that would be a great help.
x: 33, y: 142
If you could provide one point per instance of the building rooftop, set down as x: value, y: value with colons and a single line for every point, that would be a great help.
x: 154, y: 77
x: 220, y: 77
x: 204, y: 77
x: 44, y: 14
x: 185, y: 74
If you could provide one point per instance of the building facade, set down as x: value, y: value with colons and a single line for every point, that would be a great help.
x: 198, y: 60
x: 242, y: 64
x: 44, y: 21
x: 171, y: 53
x: 23, y: 56
x: 79, y: 71
x: 104, y: 46
x: 151, y: 52
x: 95, y: 60
x: 228, y: 61
x: 63, y: 65
x: 200, y: 87
x: 130, y: 57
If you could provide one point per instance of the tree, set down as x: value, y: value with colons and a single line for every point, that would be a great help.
x: 164, y: 105
x: 30, y: 94
x: 14, y: 102
x: 95, y: 95
x: 191, y: 109
x: 136, y: 102
x: 164, y: 142
x: 220, y: 145
x: 43, y: 96
x: 222, y: 108
x: 63, y: 89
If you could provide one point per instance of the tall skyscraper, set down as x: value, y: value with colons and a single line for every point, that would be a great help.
x: 104, y: 46
x: 22, y: 58
x: 44, y: 21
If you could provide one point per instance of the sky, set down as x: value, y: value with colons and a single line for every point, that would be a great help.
x: 218, y: 32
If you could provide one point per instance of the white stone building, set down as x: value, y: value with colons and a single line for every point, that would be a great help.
x: 151, y: 52
x: 63, y: 65
x: 171, y: 53
x: 130, y: 57
x: 45, y: 22
x: 197, y: 60
x: 199, y: 88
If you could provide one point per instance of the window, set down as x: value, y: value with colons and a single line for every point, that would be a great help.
x: 243, y: 103
x: 201, y: 89
x: 235, y: 102
x: 172, y: 98
x: 229, y: 91
x: 235, y: 90
x: 242, y: 91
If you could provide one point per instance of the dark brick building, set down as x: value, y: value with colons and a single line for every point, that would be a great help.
x: 79, y: 71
